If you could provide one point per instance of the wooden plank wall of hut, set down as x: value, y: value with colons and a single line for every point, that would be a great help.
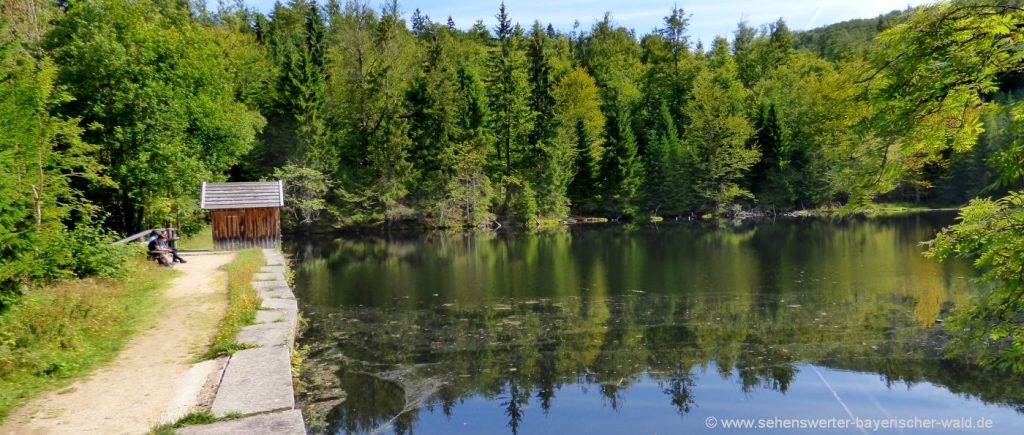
x: 240, y: 228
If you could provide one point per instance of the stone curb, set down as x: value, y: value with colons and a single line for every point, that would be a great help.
x: 257, y: 382
x: 284, y: 423
x: 268, y: 335
x: 277, y: 293
x: 254, y: 382
x: 276, y: 315
x: 261, y: 285
x: 279, y: 304
x: 262, y: 276
x: 273, y: 269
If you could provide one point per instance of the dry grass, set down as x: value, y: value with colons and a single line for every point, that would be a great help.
x: 59, y: 332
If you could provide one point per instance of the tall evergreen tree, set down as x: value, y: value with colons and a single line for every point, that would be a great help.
x: 666, y: 188
x: 621, y: 173
x: 512, y: 117
x: 542, y: 83
x: 769, y: 176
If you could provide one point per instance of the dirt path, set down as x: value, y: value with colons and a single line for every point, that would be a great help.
x: 146, y: 380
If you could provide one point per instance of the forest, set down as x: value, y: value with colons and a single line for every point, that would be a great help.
x: 113, y: 112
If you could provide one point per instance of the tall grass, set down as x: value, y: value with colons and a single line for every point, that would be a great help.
x: 58, y: 332
x: 243, y: 302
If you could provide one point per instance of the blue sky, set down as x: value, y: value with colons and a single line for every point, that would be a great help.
x: 709, y: 17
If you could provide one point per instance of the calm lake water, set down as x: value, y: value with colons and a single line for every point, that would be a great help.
x: 674, y: 328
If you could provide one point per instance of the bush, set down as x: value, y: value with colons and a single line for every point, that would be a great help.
x: 85, y: 251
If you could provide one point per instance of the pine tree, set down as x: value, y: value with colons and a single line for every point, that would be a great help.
x: 542, y: 83
x: 512, y: 117
x: 621, y: 171
x: 308, y: 76
x: 420, y: 23
x: 470, y: 189
x: 769, y: 178
x: 449, y: 142
x: 666, y: 188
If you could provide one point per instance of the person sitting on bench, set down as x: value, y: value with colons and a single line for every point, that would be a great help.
x: 173, y: 251
x: 160, y: 253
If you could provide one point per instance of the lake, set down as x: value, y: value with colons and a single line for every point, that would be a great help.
x: 803, y: 326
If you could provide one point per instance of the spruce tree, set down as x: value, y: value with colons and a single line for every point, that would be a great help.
x: 621, y: 171
x: 512, y: 117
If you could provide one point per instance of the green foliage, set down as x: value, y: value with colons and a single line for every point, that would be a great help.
x: 191, y: 419
x: 578, y: 145
x: 718, y: 133
x: 155, y: 92
x: 423, y: 123
x: 620, y: 172
x: 667, y: 188
x: 522, y: 201
x: 306, y: 189
x: 41, y: 156
x: 372, y: 66
x: 847, y: 39
x: 929, y: 83
x: 86, y: 250
x: 374, y: 120
x: 931, y: 72
x: 512, y: 117
x: 990, y: 329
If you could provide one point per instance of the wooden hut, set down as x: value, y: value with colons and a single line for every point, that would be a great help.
x: 244, y: 215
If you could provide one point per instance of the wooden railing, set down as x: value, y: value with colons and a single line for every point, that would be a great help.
x: 172, y: 235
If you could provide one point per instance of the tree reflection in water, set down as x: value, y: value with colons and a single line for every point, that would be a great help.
x: 425, y: 322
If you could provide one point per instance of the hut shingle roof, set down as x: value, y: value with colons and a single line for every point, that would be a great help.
x: 242, y: 195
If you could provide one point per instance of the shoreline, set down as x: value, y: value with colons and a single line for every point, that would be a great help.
x: 566, y: 222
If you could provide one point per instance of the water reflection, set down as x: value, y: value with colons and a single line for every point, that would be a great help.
x: 458, y: 325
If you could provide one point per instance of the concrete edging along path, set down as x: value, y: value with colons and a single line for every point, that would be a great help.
x: 257, y: 382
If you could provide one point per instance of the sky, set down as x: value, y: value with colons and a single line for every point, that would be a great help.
x: 708, y: 17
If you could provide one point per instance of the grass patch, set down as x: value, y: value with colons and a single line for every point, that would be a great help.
x: 203, y: 240
x: 243, y: 302
x: 59, y: 332
x: 191, y: 419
